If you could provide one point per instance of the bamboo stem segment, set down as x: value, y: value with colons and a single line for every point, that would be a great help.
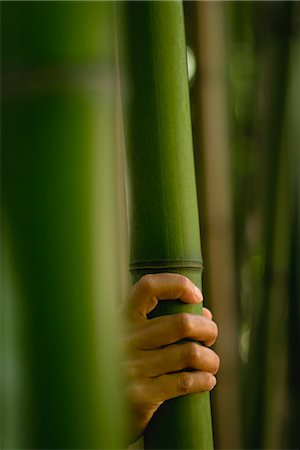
x: 60, y: 214
x: 163, y: 211
x: 211, y: 140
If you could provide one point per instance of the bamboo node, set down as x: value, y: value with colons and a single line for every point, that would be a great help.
x: 166, y: 264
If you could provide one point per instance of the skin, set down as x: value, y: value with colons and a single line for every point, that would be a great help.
x: 155, y: 364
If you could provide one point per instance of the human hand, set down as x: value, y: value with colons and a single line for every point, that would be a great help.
x: 152, y: 354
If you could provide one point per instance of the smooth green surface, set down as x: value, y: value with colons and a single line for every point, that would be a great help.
x: 262, y: 58
x: 163, y: 214
x: 163, y: 206
x: 274, y: 59
x: 58, y: 201
x: 36, y: 33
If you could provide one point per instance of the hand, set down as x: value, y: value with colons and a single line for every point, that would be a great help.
x: 152, y: 354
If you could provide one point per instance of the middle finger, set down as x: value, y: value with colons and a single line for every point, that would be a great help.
x: 165, y: 330
x: 187, y: 355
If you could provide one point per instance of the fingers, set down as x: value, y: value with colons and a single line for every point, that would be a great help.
x: 207, y: 313
x: 145, y: 294
x: 173, y: 385
x: 159, y: 352
x: 165, y: 330
x: 178, y: 357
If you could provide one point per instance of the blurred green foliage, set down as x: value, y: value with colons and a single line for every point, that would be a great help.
x: 61, y: 386
x: 263, y: 60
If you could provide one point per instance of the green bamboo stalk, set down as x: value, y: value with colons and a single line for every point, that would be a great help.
x: 59, y: 205
x: 294, y: 287
x: 281, y: 429
x: 211, y: 141
x: 275, y: 386
x: 163, y: 212
x: 274, y: 56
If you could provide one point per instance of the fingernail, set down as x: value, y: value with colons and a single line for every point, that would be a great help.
x: 214, y: 381
x: 198, y: 294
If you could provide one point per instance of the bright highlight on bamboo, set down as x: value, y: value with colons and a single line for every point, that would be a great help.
x: 164, y: 228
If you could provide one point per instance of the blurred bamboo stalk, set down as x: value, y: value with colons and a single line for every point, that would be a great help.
x: 288, y: 277
x: 123, y: 243
x: 164, y: 228
x: 274, y: 53
x: 275, y: 382
x: 59, y: 204
x: 278, y: 402
x: 294, y: 294
x: 214, y: 196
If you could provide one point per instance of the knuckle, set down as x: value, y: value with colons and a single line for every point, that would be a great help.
x: 146, y: 283
x: 185, y: 383
x: 212, y: 333
x: 216, y: 364
x: 191, y: 354
x: 134, y: 392
x: 183, y: 324
x: 208, y: 381
x: 215, y: 330
x: 185, y: 282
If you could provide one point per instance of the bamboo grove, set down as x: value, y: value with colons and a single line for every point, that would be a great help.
x: 171, y: 114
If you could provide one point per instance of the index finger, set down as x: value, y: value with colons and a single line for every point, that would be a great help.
x: 145, y: 294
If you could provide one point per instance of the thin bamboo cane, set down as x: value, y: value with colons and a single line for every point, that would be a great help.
x: 212, y: 171
x: 284, y: 318
x: 269, y: 128
x: 163, y: 213
x: 293, y: 130
x: 58, y: 199
x: 275, y: 391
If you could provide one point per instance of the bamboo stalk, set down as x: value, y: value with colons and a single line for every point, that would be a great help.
x: 269, y: 128
x: 212, y: 171
x: 294, y: 282
x: 59, y: 203
x: 275, y: 391
x: 281, y: 394
x: 163, y: 213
